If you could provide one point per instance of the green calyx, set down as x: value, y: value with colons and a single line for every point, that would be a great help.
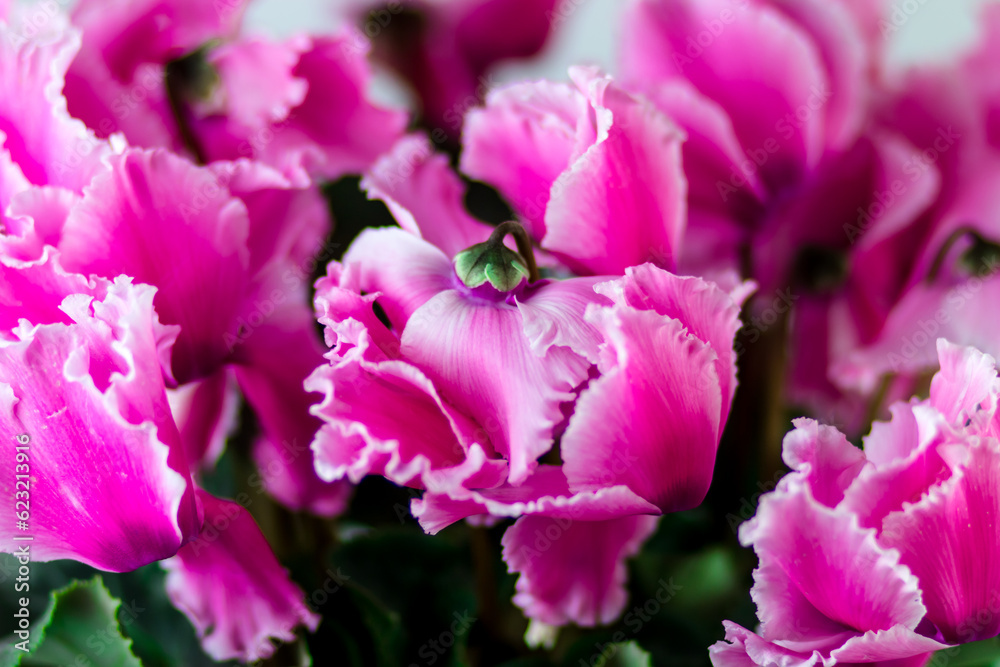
x: 494, y: 263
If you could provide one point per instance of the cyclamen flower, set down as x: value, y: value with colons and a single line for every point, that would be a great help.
x: 489, y: 368
x: 888, y: 553
x: 177, y: 74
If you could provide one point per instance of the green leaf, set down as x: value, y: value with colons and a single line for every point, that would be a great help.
x: 81, y: 627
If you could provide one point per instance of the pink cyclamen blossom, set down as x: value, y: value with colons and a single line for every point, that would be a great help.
x: 888, y: 553
x: 633, y: 377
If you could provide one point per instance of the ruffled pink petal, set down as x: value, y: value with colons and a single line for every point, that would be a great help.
x: 421, y: 442
x: 823, y: 458
x: 822, y: 575
x: 48, y: 146
x: 947, y: 538
x: 235, y: 592
x: 477, y: 355
x: 709, y: 313
x: 748, y: 51
x: 405, y: 269
x: 651, y: 421
x: 573, y: 571
x: 521, y: 141
x: 546, y: 492
x: 425, y: 196
x: 163, y: 221
x: 272, y: 364
x: 108, y: 478
x: 897, y: 647
x: 594, y: 220
x: 206, y: 415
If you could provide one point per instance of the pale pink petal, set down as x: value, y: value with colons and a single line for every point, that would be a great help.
x: 405, y: 269
x: 235, y: 592
x: 966, y: 384
x: 48, y: 146
x: 553, y: 313
x: 475, y: 352
x: 337, y: 129
x: 652, y: 420
x: 256, y: 80
x: 425, y: 196
x: 573, y: 571
x: 420, y: 442
x: 108, y: 480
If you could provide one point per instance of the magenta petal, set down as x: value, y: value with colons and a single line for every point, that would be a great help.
x: 425, y: 196
x: 477, y: 355
x: 599, y: 219
x: 163, y: 221
x: 821, y: 571
x: 758, y: 54
x: 521, y: 141
x: 824, y: 459
x: 405, y: 269
x: 235, y: 592
x: 573, y: 571
x: 108, y: 478
x: 947, y: 537
x: 651, y: 420
x: 206, y: 414
x: 708, y: 312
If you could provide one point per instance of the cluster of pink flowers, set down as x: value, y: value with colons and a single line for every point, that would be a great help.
x: 162, y: 212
